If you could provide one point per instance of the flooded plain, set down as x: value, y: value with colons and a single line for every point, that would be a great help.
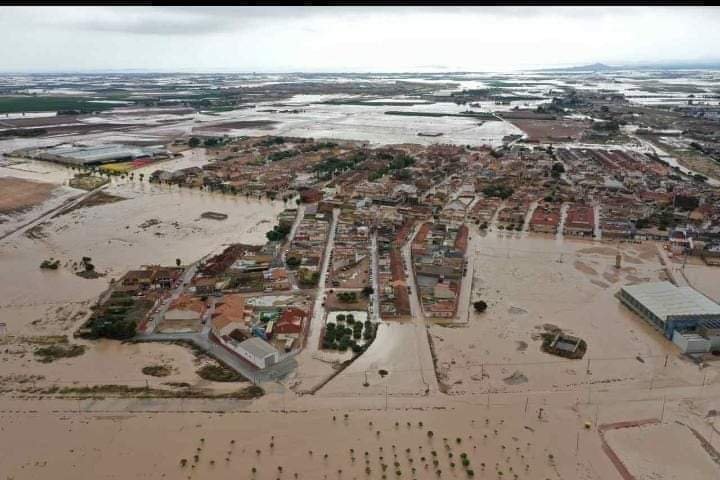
x: 534, y: 284
x: 150, y: 224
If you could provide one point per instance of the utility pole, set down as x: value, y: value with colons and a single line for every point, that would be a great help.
x: 597, y: 414
x: 577, y: 444
x: 662, y: 412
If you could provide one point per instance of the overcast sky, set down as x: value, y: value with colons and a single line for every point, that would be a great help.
x: 272, y: 39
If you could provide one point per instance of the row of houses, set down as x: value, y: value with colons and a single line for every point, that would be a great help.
x: 438, y: 255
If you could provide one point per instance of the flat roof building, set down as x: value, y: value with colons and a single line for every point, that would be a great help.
x: 258, y: 352
x: 96, y: 154
x: 669, y: 308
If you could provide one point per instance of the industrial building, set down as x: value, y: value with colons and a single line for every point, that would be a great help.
x: 97, y: 154
x: 682, y: 314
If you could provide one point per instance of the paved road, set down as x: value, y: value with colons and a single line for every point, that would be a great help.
x: 375, y: 283
x: 563, y: 216
x: 465, y: 296
x: 317, y: 318
x: 528, y: 217
x: 292, y: 277
x: 188, y: 274
x: 597, y: 210
x: 673, y: 270
x: 420, y: 323
x: 415, y: 308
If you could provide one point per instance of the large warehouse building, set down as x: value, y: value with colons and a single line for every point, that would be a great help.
x: 96, y: 154
x: 678, y: 312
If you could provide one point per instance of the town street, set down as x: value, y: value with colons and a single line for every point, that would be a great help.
x: 292, y: 277
x: 465, y: 296
x: 318, y: 315
x: 375, y: 283
x: 416, y: 310
x: 182, y: 286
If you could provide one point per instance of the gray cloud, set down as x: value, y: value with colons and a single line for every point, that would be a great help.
x: 190, y: 20
x: 300, y: 38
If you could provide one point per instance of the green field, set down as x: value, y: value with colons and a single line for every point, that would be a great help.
x: 28, y: 103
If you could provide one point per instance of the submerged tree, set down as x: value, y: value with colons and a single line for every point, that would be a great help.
x: 480, y: 306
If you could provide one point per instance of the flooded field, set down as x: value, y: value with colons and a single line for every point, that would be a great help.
x: 420, y: 402
x: 396, y: 443
x: 398, y: 360
x: 535, y: 284
x: 151, y: 224
x: 651, y: 452
x: 102, y: 363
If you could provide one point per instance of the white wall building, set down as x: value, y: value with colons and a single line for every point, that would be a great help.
x: 255, y: 350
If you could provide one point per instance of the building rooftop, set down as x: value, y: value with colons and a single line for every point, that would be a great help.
x: 258, y: 347
x: 100, y: 153
x: 665, y: 300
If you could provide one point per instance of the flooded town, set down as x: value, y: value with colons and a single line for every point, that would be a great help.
x: 460, y: 274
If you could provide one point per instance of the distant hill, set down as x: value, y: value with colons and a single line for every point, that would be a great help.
x: 601, y: 67
x: 595, y: 67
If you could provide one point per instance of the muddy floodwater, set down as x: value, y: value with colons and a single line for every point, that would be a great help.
x: 148, y: 224
x: 534, y: 284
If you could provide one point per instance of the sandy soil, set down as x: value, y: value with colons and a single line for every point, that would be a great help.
x: 19, y: 194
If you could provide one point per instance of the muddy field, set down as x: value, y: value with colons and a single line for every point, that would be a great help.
x: 239, y: 125
x: 19, y: 194
x: 551, y: 130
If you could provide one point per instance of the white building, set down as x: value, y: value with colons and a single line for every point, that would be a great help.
x: 256, y: 351
x: 691, y: 342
